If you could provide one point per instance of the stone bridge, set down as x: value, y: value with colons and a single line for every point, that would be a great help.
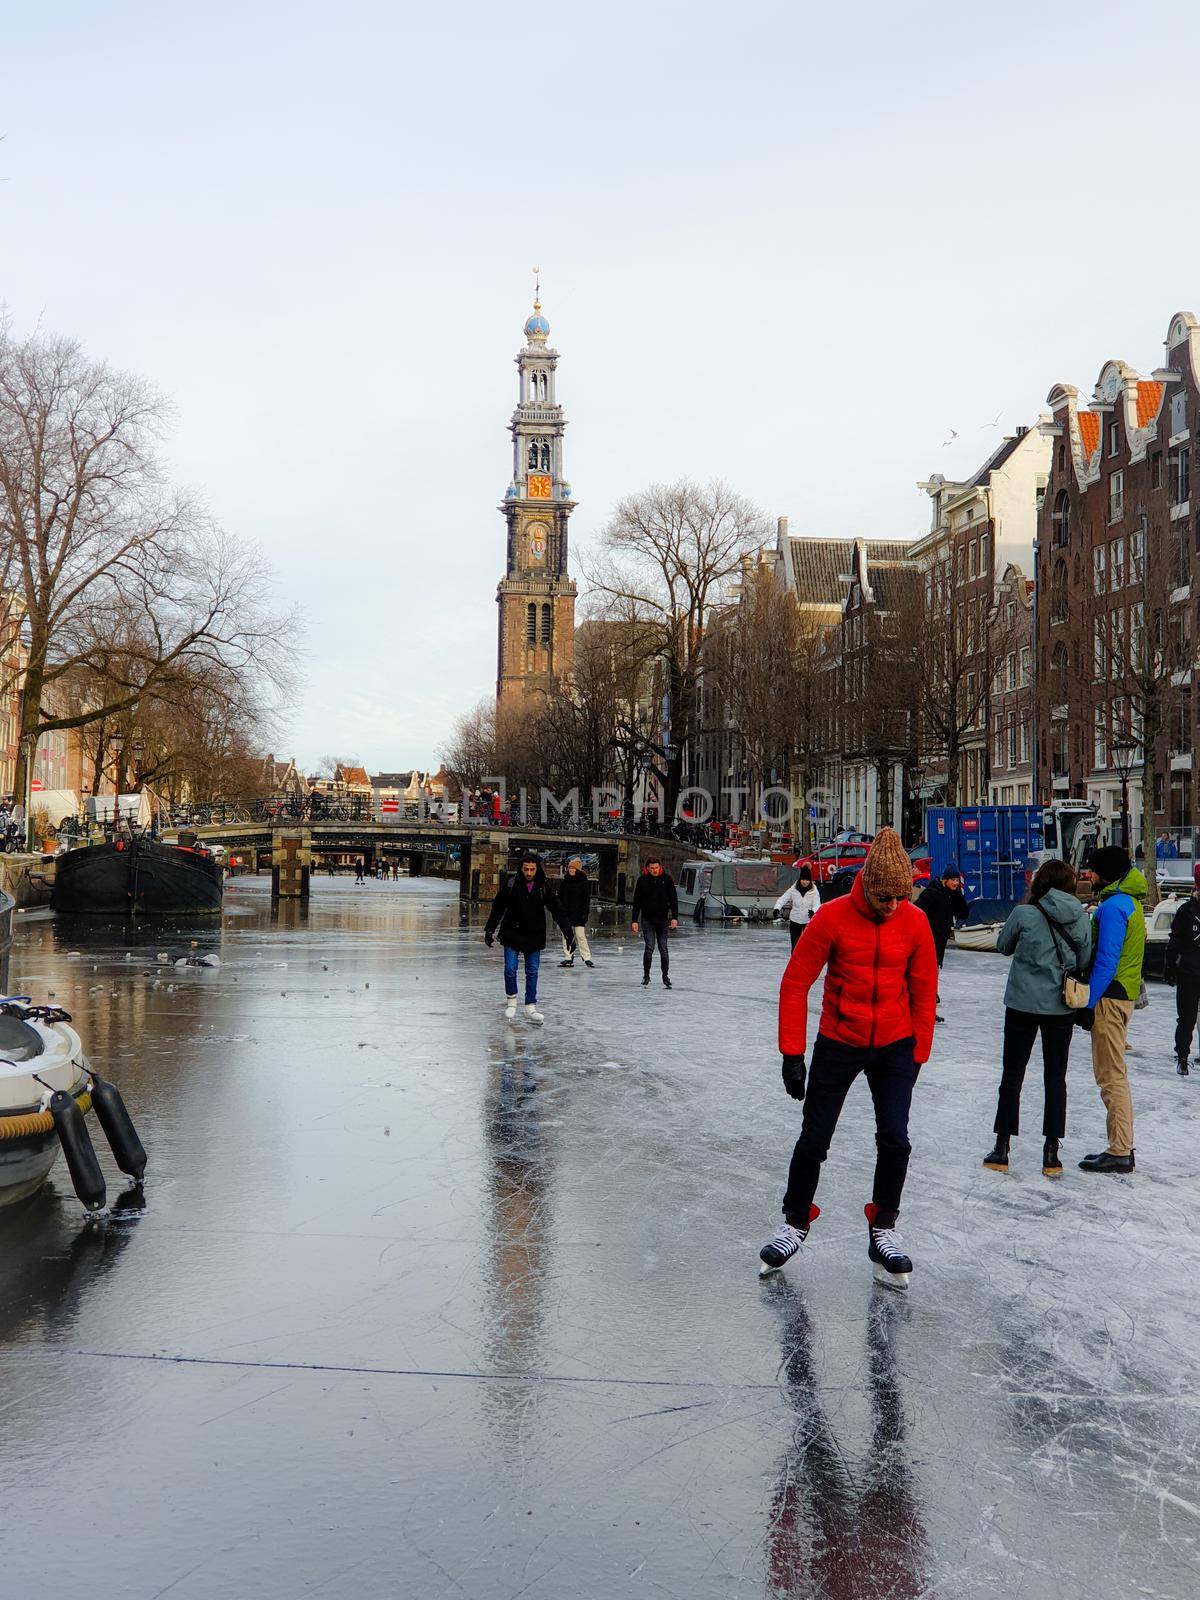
x: 483, y: 853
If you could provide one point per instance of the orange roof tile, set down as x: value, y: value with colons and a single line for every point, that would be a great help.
x: 1089, y: 431
x: 1149, y: 398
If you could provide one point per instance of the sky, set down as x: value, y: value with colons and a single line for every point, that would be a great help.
x: 788, y: 246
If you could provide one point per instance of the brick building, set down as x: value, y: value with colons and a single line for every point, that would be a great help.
x: 1118, y: 551
x: 974, y: 562
x: 536, y: 596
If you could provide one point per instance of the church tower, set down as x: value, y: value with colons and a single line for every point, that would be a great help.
x: 536, y: 596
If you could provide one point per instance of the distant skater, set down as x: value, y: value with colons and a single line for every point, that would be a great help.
x: 575, y: 893
x: 944, y: 903
x: 1182, y: 972
x: 358, y: 871
x: 801, y: 903
x: 655, y: 914
x: 519, y: 912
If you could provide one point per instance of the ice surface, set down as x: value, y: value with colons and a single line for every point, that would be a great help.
x: 423, y: 1303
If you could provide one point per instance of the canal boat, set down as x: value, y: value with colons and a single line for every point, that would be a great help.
x: 977, y: 936
x: 135, y: 875
x: 737, y: 890
x: 35, y: 1040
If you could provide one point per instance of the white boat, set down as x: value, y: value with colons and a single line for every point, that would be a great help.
x: 982, y: 936
x: 732, y: 890
x: 29, y: 1141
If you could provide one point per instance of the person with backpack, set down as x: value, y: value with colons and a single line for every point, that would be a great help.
x: 801, y: 902
x: 1119, y: 944
x: 1181, y: 970
x: 519, y: 912
x: 1049, y: 938
x: 655, y: 913
x: 575, y: 894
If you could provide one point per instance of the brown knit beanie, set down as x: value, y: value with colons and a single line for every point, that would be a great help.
x: 888, y: 870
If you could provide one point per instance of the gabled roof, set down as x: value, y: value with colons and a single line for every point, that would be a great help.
x: 818, y: 568
x: 354, y: 775
x: 996, y: 460
x: 1149, y: 399
x: 392, y: 780
x: 1089, y: 431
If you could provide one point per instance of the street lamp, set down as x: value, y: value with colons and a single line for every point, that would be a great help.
x: 1123, y: 751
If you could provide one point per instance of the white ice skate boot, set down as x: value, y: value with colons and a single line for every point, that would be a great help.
x: 788, y: 1241
x: 510, y: 1008
x: 891, y: 1266
x: 534, y: 1015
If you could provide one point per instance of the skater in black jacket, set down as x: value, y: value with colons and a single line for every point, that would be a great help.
x: 519, y: 911
x: 944, y: 903
x: 655, y: 911
x: 1182, y: 971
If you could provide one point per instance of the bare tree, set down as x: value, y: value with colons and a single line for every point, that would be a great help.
x: 471, y: 752
x: 663, y: 560
x: 754, y: 652
x: 119, y: 580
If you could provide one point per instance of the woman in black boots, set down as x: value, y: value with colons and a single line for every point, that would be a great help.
x: 1049, y: 938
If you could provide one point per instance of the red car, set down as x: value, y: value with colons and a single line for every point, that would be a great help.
x: 827, y: 859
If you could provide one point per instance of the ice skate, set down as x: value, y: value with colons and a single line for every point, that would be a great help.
x: 996, y: 1159
x: 645, y: 980
x: 569, y: 963
x: 533, y: 1015
x: 891, y: 1266
x: 1051, y: 1160
x: 788, y: 1241
x: 1182, y: 1066
x: 510, y: 1008
x: 667, y: 984
x: 588, y: 963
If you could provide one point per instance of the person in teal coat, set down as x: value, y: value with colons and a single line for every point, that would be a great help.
x: 1048, y: 938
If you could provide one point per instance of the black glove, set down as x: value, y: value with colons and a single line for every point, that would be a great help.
x: 1170, y: 979
x: 1085, y: 1018
x: 489, y: 938
x: 794, y: 1076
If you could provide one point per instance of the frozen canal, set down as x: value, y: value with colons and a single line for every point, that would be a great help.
x: 424, y: 1305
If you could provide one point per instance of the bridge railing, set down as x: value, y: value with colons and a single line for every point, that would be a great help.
x: 275, y: 810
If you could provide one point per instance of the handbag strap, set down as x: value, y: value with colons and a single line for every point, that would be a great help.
x: 1057, y: 942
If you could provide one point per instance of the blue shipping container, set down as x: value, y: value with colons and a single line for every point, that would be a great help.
x: 988, y: 844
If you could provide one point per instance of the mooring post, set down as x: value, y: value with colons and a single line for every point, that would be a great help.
x: 291, y: 863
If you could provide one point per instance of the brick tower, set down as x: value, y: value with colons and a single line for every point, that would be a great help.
x: 536, y: 596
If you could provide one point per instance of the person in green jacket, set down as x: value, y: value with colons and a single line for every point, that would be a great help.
x: 1116, y: 977
x: 1048, y: 938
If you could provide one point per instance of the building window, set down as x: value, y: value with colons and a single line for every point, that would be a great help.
x: 1099, y: 651
x: 1099, y: 751
x: 1058, y: 674
x: 1137, y: 635
x: 1178, y: 412
x: 1116, y: 497
x: 1099, y: 554
x: 1011, y: 667
x: 547, y: 626
x: 1058, y: 592
x: 1024, y: 741
x: 1061, y: 520
x: 531, y: 623
x: 971, y: 559
x: 1156, y: 469
x: 1114, y: 439
x: 1116, y: 565
x: 1024, y: 666
x: 1181, y: 481
x: 1010, y: 614
x: 1137, y: 546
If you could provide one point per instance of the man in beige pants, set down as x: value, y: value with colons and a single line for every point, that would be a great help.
x: 1116, y: 977
x: 575, y: 893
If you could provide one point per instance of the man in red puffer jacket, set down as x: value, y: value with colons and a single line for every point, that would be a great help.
x: 877, y: 1017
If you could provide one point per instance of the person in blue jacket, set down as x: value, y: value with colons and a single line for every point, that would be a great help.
x: 1116, y: 977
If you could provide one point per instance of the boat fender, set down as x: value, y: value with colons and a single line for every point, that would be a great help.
x: 77, y: 1147
x: 118, y: 1127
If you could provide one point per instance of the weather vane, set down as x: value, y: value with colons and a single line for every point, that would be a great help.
x: 537, y: 286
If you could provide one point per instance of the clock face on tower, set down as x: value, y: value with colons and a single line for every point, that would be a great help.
x: 539, y: 486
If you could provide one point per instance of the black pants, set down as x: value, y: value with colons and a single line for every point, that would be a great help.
x: 795, y: 929
x: 1187, y: 1002
x: 655, y: 933
x: 891, y: 1073
x: 1020, y: 1030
